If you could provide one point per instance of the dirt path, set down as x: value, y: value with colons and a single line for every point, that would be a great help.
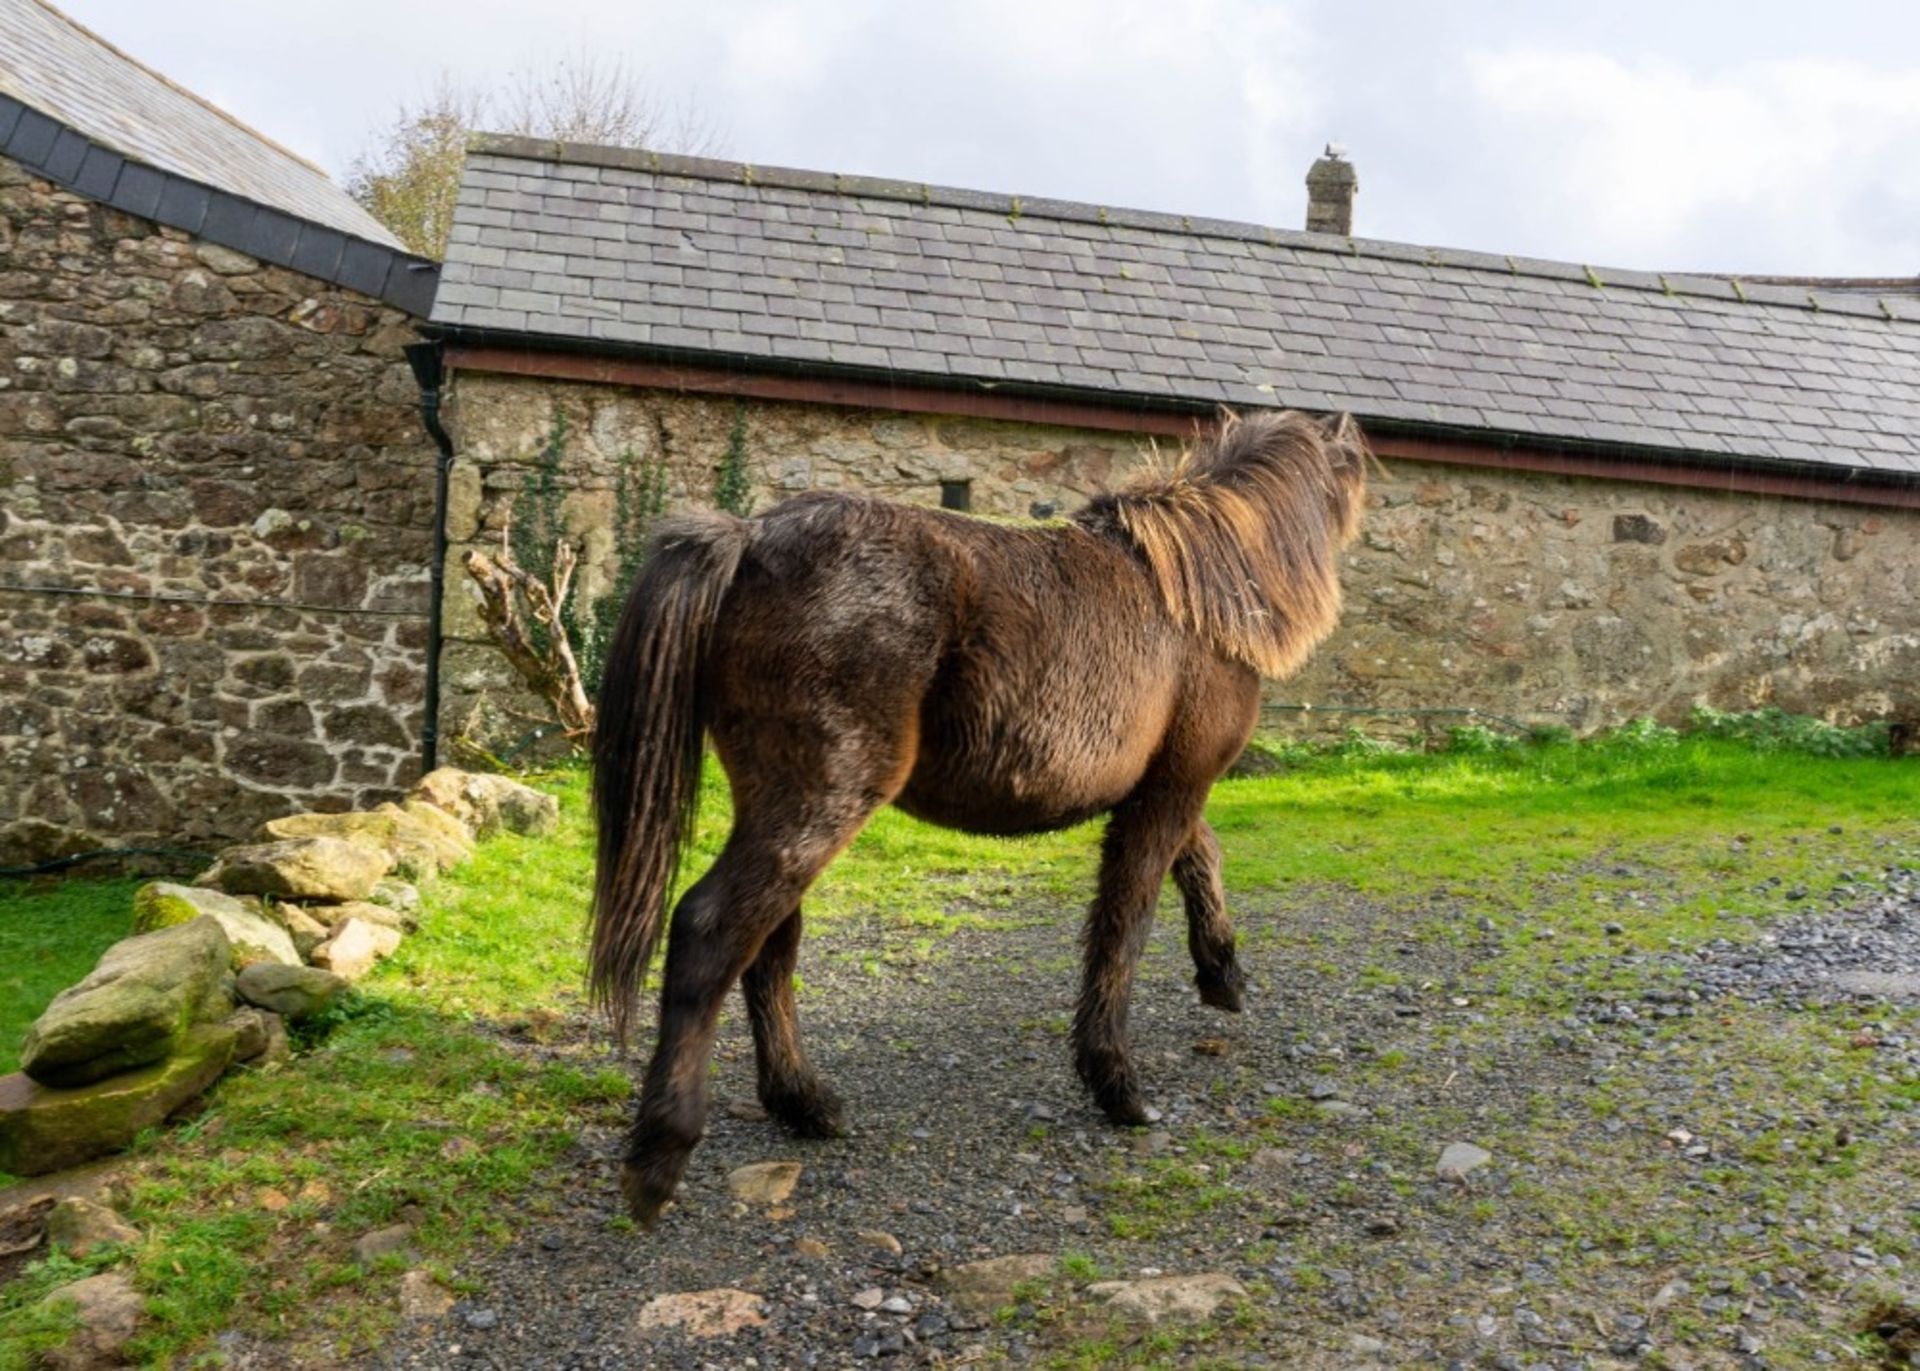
x: 1673, y: 1181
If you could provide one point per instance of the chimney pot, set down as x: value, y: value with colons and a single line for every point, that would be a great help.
x: 1331, y: 184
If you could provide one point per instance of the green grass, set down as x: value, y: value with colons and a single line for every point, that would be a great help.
x: 1501, y: 830
x: 1385, y: 824
x: 50, y: 936
x: 408, y: 1107
x: 399, y: 1109
x: 1487, y: 827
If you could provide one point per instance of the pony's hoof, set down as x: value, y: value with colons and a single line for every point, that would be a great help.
x: 646, y: 1194
x: 816, y: 1114
x: 1109, y: 1078
x: 1225, y: 992
x: 1123, y: 1106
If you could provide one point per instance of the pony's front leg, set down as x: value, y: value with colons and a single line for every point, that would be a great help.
x: 1144, y: 835
x: 1196, y: 871
x: 790, y: 1088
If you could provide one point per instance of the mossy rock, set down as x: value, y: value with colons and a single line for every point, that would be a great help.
x: 49, y: 1128
x: 162, y: 904
x: 133, y: 1008
x: 251, y: 934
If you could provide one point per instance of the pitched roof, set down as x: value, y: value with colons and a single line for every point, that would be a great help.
x: 76, y: 77
x: 631, y: 250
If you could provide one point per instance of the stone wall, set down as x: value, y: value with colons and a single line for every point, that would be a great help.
x: 1551, y: 599
x: 185, y: 428
x: 1587, y: 603
x: 500, y: 424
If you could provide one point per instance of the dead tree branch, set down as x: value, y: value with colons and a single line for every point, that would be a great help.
x: 510, y: 599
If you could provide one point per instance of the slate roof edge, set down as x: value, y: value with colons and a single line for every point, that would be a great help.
x: 52, y: 149
x: 1719, y: 287
x: 1709, y: 465
x: 226, y: 116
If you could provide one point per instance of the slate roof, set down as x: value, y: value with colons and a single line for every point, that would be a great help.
x: 66, y: 71
x: 80, y: 112
x: 696, y: 259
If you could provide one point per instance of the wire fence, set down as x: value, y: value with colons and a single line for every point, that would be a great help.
x: 1468, y: 712
x: 160, y: 597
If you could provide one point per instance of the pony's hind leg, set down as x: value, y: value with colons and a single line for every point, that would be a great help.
x: 717, y: 929
x: 1196, y: 871
x: 786, y: 830
x: 1147, y: 831
x: 789, y: 1087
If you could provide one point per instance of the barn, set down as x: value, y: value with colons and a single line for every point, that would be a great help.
x: 1605, y: 494
x: 1608, y: 494
x: 216, y: 499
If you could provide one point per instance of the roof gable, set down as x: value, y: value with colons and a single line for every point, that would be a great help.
x: 689, y: 257
x: 68, y: 73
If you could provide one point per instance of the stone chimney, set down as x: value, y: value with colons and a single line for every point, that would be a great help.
x: 1330, y: 187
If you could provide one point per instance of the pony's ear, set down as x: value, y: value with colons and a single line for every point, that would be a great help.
x: 1344, y: 436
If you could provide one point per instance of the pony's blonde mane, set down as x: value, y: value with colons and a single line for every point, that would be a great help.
x: 1242, y: 533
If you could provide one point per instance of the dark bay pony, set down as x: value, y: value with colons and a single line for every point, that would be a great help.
x: 845, y: 653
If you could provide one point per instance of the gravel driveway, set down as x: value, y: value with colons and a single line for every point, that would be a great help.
x: 1694, y: 1160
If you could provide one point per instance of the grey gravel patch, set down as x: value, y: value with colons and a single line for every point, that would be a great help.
x: 1866, y: 946
x: 1339, y: 1226
x: 1879, y: 985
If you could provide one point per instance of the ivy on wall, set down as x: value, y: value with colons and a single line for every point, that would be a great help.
x: 732, y: 484
x: 539, y: 528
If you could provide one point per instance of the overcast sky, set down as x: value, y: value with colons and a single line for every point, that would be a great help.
x: 1767, y: 136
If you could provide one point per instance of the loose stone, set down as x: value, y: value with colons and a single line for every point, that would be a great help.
x: 1461, y: 1159
x: 764, y: 1182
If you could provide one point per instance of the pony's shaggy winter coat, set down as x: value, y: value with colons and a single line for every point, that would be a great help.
x: 844, y: 653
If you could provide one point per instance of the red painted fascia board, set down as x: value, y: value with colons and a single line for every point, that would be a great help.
x: 1069, y: 413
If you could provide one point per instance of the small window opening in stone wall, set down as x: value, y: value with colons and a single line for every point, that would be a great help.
x: 956, y: 495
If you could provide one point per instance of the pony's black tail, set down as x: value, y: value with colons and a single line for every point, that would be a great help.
x: 647, y: 745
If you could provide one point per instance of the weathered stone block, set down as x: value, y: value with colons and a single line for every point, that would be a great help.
x: 108, y: 1310
x: 259, y: 1035
x: 49, y: 1128
x: 355, y: 946
x: 487, y: 804
x: 270, y: 674
x: 398, y: 895
x: 330, y: 579
x: 1637, y: 528
x: 318, y: 868
x: 368, y: 725
x: 77, y: 1226
x: 306, y: 931
x: 294, y: 992
x: 134, y: 1007
x: 1707, y: 559
x: 418, y: 846
x: 367, y: 912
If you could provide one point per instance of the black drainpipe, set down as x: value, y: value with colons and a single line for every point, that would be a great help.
x: 429, y: 371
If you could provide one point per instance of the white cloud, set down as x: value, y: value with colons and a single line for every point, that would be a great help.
x: 1130, y: 102
x: 1205, y: 107
x: 1790, y: 167
x: 1516, y: 129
